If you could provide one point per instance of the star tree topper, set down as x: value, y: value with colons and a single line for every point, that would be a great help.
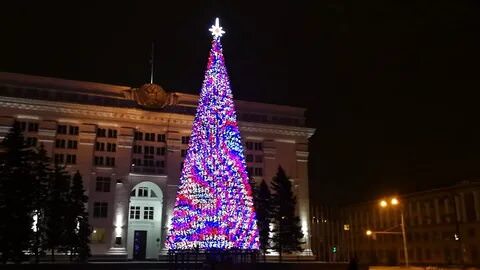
x: 216, y: 29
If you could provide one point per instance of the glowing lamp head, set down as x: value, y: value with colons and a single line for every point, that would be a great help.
x: 394, y: 201
x: 368, y: 233
x: 383, y: 203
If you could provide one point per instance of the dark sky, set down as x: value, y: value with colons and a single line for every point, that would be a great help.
x: 392, y: 87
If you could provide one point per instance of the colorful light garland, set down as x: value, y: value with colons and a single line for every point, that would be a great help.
x: 214, y: 204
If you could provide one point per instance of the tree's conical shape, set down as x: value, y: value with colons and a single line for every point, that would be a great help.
x: 214, y: 204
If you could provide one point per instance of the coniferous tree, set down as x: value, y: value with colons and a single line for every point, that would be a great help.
x: 287, y: 230
x: 56, y: 211
x: 263, y: 209
x: 16, y: 196
x: 77, y: 227
x: 41, y: 172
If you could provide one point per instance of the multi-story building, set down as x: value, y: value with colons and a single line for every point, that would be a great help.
x: 129, y: 144
x: 442, y: 227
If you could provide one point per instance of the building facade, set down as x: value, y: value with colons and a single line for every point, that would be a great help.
x: 442, y: 228
x: 129, y: 144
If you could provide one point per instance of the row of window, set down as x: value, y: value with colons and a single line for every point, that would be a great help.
x: 28, y: 126
x: 147, y: 212
x: 100, y: 146
x: 142, y: 192
x: 72, y: 130
x: 70, y: 144
x: 148, y: 163
x: 110, y: 133
x: 139, y: 136
x: 65, y: 159
x: 149, y: 150
x: 104, y: 161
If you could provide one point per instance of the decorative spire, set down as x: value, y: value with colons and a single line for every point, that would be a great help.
x: 216, y: 29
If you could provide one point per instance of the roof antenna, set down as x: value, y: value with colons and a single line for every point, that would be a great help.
x: 152, y: 62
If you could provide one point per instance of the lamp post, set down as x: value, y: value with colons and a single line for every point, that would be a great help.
x: 395, y: 202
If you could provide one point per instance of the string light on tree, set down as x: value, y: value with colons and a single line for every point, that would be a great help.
x: 214, y: 204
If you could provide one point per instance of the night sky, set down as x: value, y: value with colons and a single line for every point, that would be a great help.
x: 392, y: 87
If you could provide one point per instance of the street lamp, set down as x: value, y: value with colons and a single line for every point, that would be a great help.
x: 395, y: 202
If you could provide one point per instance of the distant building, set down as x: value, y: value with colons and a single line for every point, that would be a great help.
x: 129, y: 143
x: 442, y: 227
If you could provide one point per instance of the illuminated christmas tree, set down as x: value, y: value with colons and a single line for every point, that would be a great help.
x: 214, y: 204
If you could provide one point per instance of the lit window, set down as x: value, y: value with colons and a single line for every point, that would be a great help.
x: 98, y: 235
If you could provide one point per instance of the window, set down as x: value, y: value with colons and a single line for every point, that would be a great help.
x: 72, y: 144
x: 112, y: 133
x: 160, y: 137
x: 98, y: 161
x: 137, y: 149
x: 134, y: 212
x: 98, y: 235
x: 185, y: 139
x: 138, y: 136
x: 111, y: 147
x: 99, y: 146
x: 137, y: 161
x: 33, y: 127
x: 149, y: 150
x: 148, y: 212
x: 160, y: 151
x: 249, y: 145
x: 101, y: 132
x: 21, y: 125
x: 249, y: 158
x: 183, y: 152
x: 258, y: 172
x: 73, y: 130
x: 60, y: 143
x: 58, y: 158
x: 110, y: 161
x: 150, y: 137
x: 61, y: 129
x: 71, y: 159
x: 31, y: 141
x: 100, y: 210
x: 142, y: 192
x: 148, y: 162
x: 160, y: 163
x: 102, y: 184
x: 258, y: 146
x: 259, y: 158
